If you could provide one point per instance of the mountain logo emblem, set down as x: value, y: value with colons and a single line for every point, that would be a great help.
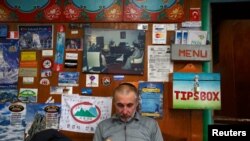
x: 85, y: 112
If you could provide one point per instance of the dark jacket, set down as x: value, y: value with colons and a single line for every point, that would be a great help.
x: 49, y: 135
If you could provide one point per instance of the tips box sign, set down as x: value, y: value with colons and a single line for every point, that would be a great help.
x: 196, y: 91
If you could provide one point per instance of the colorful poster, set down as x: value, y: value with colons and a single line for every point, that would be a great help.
x: 196, y: 91
x: 36, y: 37
x: 151, y: 94
x: 41, y: 116
x: 9, y: 63
x: 59, y: 56
x: 68, y: 78
x: 83, y: 113
x: 12, y: 121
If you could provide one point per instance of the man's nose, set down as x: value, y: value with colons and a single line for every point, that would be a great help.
x: 125, y: 110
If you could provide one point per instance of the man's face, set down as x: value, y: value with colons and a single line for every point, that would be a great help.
x: 125, y: 105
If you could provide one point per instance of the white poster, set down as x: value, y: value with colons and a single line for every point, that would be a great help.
x: 159, y: 63
x: 159, y: 34
x: 83, y: 113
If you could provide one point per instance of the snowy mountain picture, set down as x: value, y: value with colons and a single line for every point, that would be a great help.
x: 12, y: 124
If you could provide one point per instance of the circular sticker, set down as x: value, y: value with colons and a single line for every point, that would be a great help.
x: 44, y: 81
x: 106, y: 81
x: 47, y: 63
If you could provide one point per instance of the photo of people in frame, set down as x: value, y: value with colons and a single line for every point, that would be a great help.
x: 113, y: 51
x: 73, y: 44
x: 35, y: 37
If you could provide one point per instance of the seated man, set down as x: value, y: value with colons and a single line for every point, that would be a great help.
x: 136, y: 54
x: 127, y: 124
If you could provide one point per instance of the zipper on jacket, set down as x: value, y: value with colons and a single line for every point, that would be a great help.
x: 125, y: 131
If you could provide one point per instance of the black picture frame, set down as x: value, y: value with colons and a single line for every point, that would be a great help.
x: 113, y: 51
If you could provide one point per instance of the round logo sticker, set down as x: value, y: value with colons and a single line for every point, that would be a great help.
x: 106, y: 81
x: 47, y: 63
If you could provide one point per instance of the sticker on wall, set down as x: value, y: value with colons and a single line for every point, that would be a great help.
x: 87, y: 91
x: 47, y: 53
x: 28, y: 80
x: 142, y: 26
x: 118, y: 77
x: 159, y: 34
x: 46, y: 73
x: 28, y: 94
x: 47, y: 63
x: 92, y: 80
x: 68, y: 79
x: 106, y: 81
x: 30, y: 72
x: 28, y: 56
x: 71, y: 60
x: 61, y: 90
x: 44, y: 81
x: 195, y: 14
x: 13, y: 35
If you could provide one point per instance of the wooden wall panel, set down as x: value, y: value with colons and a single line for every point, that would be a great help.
x: 175, y: 124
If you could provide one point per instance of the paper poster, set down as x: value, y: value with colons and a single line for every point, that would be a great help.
x: 9, y: 64
x: 83, y: 113
x: 59, y: 56
x: 37, y: 37
x: 159, y: 34
x: 159, y: 63
x: 12, y: 121
x: 68, y: 78
x: 8, y: 95
x: 42, y: 116
x: 151, y: 94
x: 92, y: 80
x: 28, y: 94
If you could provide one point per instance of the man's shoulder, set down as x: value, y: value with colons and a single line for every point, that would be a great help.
x: 106, y: 122
x: 147, y: 119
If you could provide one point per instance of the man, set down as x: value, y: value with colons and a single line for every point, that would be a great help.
x: 127, y: 124
x: 136, y: 54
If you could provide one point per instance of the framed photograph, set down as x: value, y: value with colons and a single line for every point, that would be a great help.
x: 73, y: 44
x: 35, y: 37
x: 121, y: 52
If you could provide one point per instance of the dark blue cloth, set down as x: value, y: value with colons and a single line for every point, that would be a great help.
x: 49, y: 135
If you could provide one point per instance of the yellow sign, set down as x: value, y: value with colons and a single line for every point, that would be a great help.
x: 28, y: 56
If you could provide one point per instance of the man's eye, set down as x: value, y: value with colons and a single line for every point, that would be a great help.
x: 130, y: 105
x: 120, y: 105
